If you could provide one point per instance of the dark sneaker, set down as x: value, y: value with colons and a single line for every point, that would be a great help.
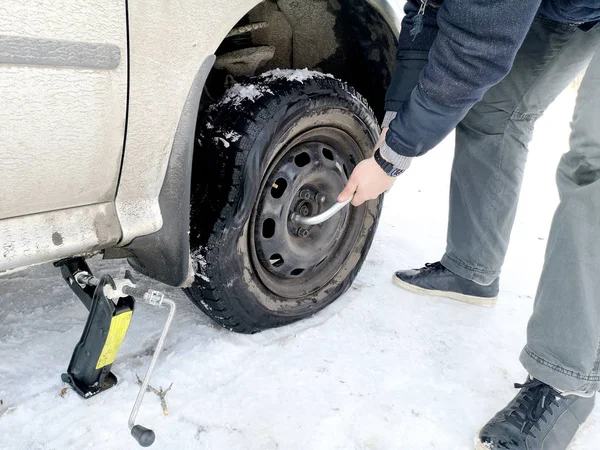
x: 435, y: 279
x: 538, y: 418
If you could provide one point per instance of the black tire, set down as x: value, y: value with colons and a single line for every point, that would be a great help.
x: 251, y: 134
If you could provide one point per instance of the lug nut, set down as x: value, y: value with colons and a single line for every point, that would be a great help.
x: 321, y: 198
x: 305, y: 195
x: 302, y: 232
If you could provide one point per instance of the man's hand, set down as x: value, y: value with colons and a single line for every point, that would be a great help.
x: 368, y: 181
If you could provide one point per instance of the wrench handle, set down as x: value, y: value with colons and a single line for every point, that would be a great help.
x: 320, y: 218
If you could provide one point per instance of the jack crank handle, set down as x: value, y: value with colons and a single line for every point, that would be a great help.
x: 144, y: 436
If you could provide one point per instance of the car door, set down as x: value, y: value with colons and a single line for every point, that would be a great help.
x: 63, y: 91
x: 63, y: 102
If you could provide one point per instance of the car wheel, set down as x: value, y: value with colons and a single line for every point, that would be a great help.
x: 273, y: 146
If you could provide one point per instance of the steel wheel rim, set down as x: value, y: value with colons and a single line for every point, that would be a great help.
x: 305, y: 177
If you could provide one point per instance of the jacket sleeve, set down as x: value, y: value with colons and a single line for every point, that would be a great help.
x: 473, y: 50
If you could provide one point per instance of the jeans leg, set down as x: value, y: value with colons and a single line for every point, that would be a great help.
x: 491, y: 146
x: 563, y: 336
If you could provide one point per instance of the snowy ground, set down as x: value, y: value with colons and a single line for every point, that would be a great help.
x: 379, y: 369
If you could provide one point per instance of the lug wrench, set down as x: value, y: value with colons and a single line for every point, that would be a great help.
x: 320, y: 218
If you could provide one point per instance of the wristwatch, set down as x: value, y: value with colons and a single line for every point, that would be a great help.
x: 387, y: 166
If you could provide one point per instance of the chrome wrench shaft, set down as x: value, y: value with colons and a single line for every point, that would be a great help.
x: 320, y: 218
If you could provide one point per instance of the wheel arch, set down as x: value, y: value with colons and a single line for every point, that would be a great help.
x: 354, y: 40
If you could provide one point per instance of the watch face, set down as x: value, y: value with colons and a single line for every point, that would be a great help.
x: 391, y: 170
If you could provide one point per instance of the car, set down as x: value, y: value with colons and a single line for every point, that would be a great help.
x: 185, y: 136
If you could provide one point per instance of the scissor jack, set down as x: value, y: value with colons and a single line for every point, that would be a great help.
x: 110, y: 303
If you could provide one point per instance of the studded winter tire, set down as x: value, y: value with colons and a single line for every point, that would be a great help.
x: 271, y: 147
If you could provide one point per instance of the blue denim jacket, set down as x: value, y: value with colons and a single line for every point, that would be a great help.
x: 465, y: 47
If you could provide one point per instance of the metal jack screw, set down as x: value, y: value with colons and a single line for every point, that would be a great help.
x: 143, y: 435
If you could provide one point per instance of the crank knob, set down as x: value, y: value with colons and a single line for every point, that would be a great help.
x: 143, y: 435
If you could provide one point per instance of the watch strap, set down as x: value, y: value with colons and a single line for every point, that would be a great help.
x: 387, y: 166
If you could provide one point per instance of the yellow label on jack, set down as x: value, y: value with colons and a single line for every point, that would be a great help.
x: 118, y: 327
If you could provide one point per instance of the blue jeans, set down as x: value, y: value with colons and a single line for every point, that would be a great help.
x: 563, y: 347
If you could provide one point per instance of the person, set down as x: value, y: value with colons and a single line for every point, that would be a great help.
x: 490, y: 69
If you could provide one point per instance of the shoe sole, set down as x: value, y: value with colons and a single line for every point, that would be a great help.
x: 463, y: 298
x: 481, y: 446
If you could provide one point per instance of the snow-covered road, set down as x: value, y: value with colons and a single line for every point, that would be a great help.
x: 379, y: 369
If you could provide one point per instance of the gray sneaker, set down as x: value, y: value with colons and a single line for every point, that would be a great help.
x: 434, y: 279
x: 538, y: 418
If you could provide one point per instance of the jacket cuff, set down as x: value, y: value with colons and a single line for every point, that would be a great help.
x: 389, y: 116
x: 399, y: 161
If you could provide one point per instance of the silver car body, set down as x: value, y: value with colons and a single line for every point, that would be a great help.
x: 85, y: 140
